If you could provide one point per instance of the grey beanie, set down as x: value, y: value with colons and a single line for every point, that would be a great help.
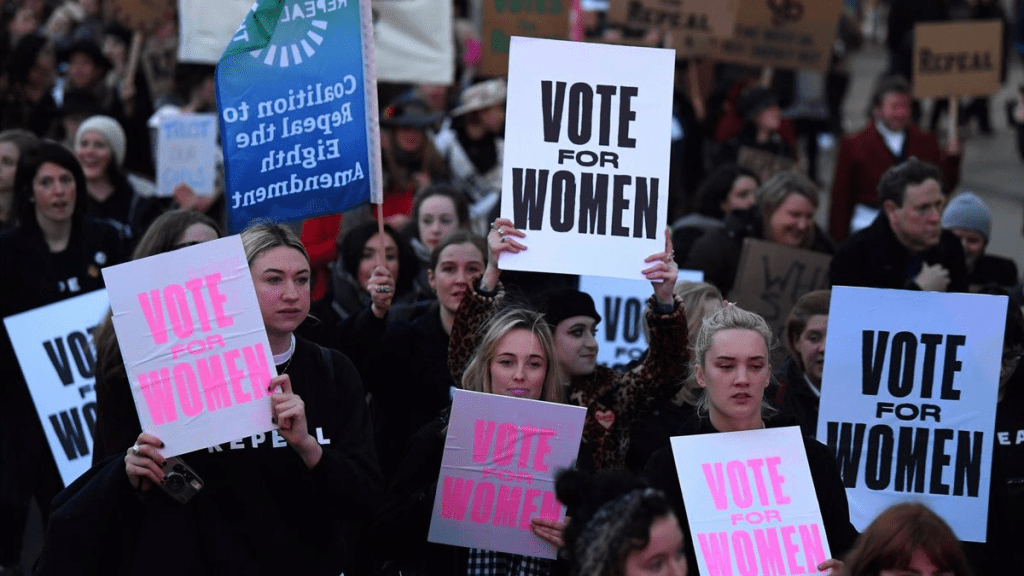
x: 968, y: 211
x: 111, y: 131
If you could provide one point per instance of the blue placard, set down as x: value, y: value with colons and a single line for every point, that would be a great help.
x: 297, y: 112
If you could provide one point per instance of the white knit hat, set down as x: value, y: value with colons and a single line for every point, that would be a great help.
x: 111, y: 131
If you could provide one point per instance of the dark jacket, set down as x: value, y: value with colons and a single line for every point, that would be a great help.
x: 793, y: 395
x: 828, y: 486
x: 718, y: 252
x: 874, y: 258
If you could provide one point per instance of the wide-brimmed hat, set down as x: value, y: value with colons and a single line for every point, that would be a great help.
x: 480, y: 96
x: 408, y: 111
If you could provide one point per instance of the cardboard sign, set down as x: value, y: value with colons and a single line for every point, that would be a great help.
x: 908, y: 400
x: 750, y: 502
x: 587, y: 158
x: 194, y: 344
x: 503, y: 19
x: 298, y: 111
x: 763, y: 164
x: 788, y: 34
x: 958, y: 58
x: 772, y: 277
x: 412, y: 41
x: 207, y: 27
x: 55, y: 349
x: 186, y: 153
x: 487, y: 495
x: 679, y: 19
x: 621, y: 303
x: 143, y: 15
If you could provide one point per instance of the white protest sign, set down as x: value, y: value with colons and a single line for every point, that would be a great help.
x: 207, y: 27
x: 585, y: 173
x: 487, y: 495
x: 621, y: 304
x: 186, y: 153
x: 750, y: 502
x: 908, y: 400
x: 413, y: 41
x: 55, y: 349
x: 194, y: 344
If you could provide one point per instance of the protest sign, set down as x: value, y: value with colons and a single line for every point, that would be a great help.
x: 908, y: 400
x: 679, y: 18
x: 787, y: 34
x: 142, y: 15
x: 621, y: 303
x: 750, y: 502
x: 55, y: 350
x: 771, y: 278
x: 186, y: 153
x: 503, y: 19
x: 207, y: 27
x: 763, y: 164
x: 413, y: 41
x: 298, y: 111
x: 957, y: 58
x: 587, y: 158
x: 487, y: 496
x: 194, y: 345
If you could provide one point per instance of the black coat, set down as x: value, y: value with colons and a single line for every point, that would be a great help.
x: 794, y: 397
x: 828, y: 486
x: 874, y: 258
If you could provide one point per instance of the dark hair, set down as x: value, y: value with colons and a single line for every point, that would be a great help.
x: 354, y: 242
x: 29, y: 165
x: 597, y: 543
x: 715, y: 188
x: 457, y: 196
x: 161, y: 236
x: 814, y: 303
x: 890, y: 541
x: 458, y: 237
x: 894, y: 183
x: 23, y: 140
x: 892, y: 84
x: 24, y: 55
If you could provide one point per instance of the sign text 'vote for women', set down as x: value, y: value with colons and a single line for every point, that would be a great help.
x: 585, y: 173
x: 498, y: 472
x: 750, y: 502
x: 194, y: 345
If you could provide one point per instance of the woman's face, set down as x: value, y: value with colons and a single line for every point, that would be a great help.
x: 920, y: 565
x: 664, y: 554
x: 95, y: 155
x: 576, y: 346
x: 437, y: 219
x: 741, y: 195
x: 519, y: 365
x: 734, y: 376
x: 409, y: 139
x: 196, y: 234
x: 53, y: 193
x: 281, y: 277
x: 810, y: 346
x: 371, y: 258
x: 792, y: 222
x: 456, y: 267
x: 9, y: 154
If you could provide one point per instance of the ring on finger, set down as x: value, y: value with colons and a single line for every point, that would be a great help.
x: 135, y: 449
x: 382, y: 288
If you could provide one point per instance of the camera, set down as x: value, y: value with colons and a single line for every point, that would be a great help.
x: 180, y: 481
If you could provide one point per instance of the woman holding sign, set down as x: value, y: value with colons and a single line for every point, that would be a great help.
x: 614, y: 400
x: 514, y: 358
x: 289, y: 501
x: 731, y: 365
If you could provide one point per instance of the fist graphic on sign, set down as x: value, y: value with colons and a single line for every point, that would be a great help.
x: 784, y: 11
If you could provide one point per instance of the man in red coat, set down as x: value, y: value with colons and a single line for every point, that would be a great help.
x: 888, y: 140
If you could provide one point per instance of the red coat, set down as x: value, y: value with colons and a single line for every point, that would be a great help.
x: 864, y: 157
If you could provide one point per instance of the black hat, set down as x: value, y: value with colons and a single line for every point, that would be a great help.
x: 408, y: 111
x: 754, y: 100
x: 562, y: 303
x: 91, y: 49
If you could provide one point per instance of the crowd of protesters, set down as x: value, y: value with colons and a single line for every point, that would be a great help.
x: 372, y: 331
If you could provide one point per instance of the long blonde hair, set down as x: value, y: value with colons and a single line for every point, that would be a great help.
x: 477, y: 377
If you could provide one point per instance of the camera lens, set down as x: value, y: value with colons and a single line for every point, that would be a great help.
x: 174, y: 483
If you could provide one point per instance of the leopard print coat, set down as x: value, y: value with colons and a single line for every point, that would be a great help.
x: 614, y: 400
